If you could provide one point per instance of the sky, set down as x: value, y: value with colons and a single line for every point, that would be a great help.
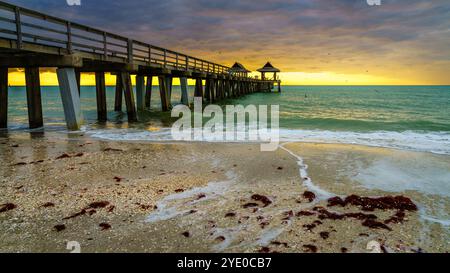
x: 323, y: 42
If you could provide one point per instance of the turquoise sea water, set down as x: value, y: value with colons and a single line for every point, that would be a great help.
x: 405, y: 117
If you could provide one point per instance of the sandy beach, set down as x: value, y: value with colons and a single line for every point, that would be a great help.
x: 192, y: 197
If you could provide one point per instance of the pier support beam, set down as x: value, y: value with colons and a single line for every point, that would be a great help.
x: 227, y: 89
x: 184, y: 91
x: 68, y: 87
x: 163, y: 93
x: 198, y: 88
x: 119, y: 94
x: 100, y: 87
x: 208, y: 90
x: 34, y: 97
x: 129, y: 96
x: 148, y: 92
x: 140, y: 92
x: 3, y: 97
x: 169, y: 85
x: 78, y: 77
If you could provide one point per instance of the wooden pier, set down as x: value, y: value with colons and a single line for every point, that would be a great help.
x: 33, y: 40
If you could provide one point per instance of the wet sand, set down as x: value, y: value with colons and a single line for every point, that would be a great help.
x: 149, y: 197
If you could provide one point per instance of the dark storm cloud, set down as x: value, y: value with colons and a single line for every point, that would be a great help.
x: 297, y: 34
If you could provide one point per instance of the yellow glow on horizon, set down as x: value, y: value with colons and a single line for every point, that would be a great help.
x: 49, y: 78
x: 331, y: 78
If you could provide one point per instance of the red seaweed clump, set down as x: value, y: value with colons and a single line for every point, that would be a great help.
x: 263, y: 199
x: 370, y: 223
x: 112, y: 150
x: 230, y: 215
x: 91, y: 209
x: 310, y: 248
x: 288, y: 215
x: 7, y: 207
x: 310, y: 227
x: 105, y: 226
x: 98, y: 205
x: 220, y: 239
x: 361, y: 216
x: 325, y: 214
x: 249, y: 205
x: 277, y: 243
x: 201, y: 196
x: 370, y: 204
x: 305, y: 213
x: 82, y: 212
x: 48, y: 205
x: 325, y: 235
x: 264, y: 250
x: 309, y: 195
x: 63, y: 156
x: 399, y: 217
x: 263, y: 224
x: 59, y: 228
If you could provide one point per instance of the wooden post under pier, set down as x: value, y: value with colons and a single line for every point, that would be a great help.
x: 119, y: 94
x: 70, y: 96
x: 198, y: 88
x: 3, y: 97
x: 184, y: 91
x: 140, y: 92
x: 163, y: 93
x: 100, y: 87
x: 78, y: 78
x: 169, y: 85
x: 129, y: 96
x: 148, y: 91
x: 34, y: 97
x: 208, y: 90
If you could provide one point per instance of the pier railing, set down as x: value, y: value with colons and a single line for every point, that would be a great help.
x: 27, y: 26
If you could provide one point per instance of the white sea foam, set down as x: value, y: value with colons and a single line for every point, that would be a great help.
x: 432, y: 142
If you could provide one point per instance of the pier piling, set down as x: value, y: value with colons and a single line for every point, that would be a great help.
x: 3, y: 97
x: 70, y: 96
x: 119, y: 94
x: 163, y: 93
x: 33, y: 86
x: 140, y: 92
x: 129, y: 96
x: 102, y: 113
x: 169, y: 85
x: 184, y: 91
x: 198, y: 88
x: 148, y: 91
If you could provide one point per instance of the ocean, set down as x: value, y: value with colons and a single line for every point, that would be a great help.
x: 413, y: 118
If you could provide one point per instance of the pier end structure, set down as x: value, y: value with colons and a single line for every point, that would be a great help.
x: 268, y: 68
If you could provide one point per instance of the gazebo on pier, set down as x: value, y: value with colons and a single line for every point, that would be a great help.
x: 239, y: 70
x: 269, y: 68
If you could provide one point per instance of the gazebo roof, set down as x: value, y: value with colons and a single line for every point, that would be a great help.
x: 239, y: 68
x: 269, y: 68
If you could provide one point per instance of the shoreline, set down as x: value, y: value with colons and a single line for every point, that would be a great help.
x: 189, y: 178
